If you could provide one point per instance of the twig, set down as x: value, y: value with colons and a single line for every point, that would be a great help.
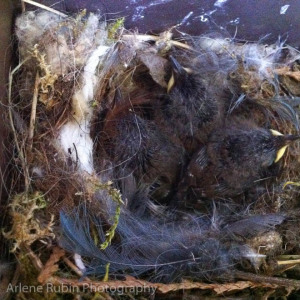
x: 14, y: 281
x: 10, y: 115
x: 45, y: 7
x: 288, y: 262
x: 33, y: 111
x: 77, y: 158
x: 220, y: 289
x: 148, y: 37
x: 35, y: 259
x: 266, y: 279
x: 23, y: 6
x: 141, y: 37
x: 181, y: 45
x: 73, y: 267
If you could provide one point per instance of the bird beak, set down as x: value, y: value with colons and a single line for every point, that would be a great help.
x: 286, y: 140
x: 171, y: 83
x: 280, y: 153
x: 178, y: 70
x: 275, y: 132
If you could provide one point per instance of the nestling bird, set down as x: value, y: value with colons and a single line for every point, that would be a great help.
x: 235, y: 158
x: 135, y: 146
x: 191, y: 111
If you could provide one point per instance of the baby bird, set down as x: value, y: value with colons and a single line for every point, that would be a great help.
x: 136, y: 147
x: 190, y: 111
x: 235, y: 159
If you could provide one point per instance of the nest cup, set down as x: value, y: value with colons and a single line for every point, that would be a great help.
x: 72, y: 187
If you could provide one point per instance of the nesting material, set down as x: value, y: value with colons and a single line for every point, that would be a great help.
x: 110, y: 154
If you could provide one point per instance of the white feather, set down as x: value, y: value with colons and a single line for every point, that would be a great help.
x: 74, y: 136
x: 77, y: 144
x: 79, y: 263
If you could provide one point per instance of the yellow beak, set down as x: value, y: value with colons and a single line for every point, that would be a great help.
x: 282, y: 150
x: 171, y: 83
x: 275, y: 132
x: 280, y: 153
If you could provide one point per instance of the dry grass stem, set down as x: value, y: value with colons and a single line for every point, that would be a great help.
x: 42, y: 6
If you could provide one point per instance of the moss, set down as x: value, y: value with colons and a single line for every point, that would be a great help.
x: 114, y: 27
x: 26, y: 228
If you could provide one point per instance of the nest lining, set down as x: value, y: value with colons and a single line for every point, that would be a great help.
x: 71, y: 75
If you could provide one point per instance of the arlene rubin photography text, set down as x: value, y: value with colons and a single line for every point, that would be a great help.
x: 63, y: 288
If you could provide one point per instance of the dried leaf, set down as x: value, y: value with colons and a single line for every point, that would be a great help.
x: 156, y: 65
x: 126, y: 53
x: 51, y: 266
x: 285, y: 71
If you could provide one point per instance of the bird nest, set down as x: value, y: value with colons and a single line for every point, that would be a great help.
x: 88, y: 219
